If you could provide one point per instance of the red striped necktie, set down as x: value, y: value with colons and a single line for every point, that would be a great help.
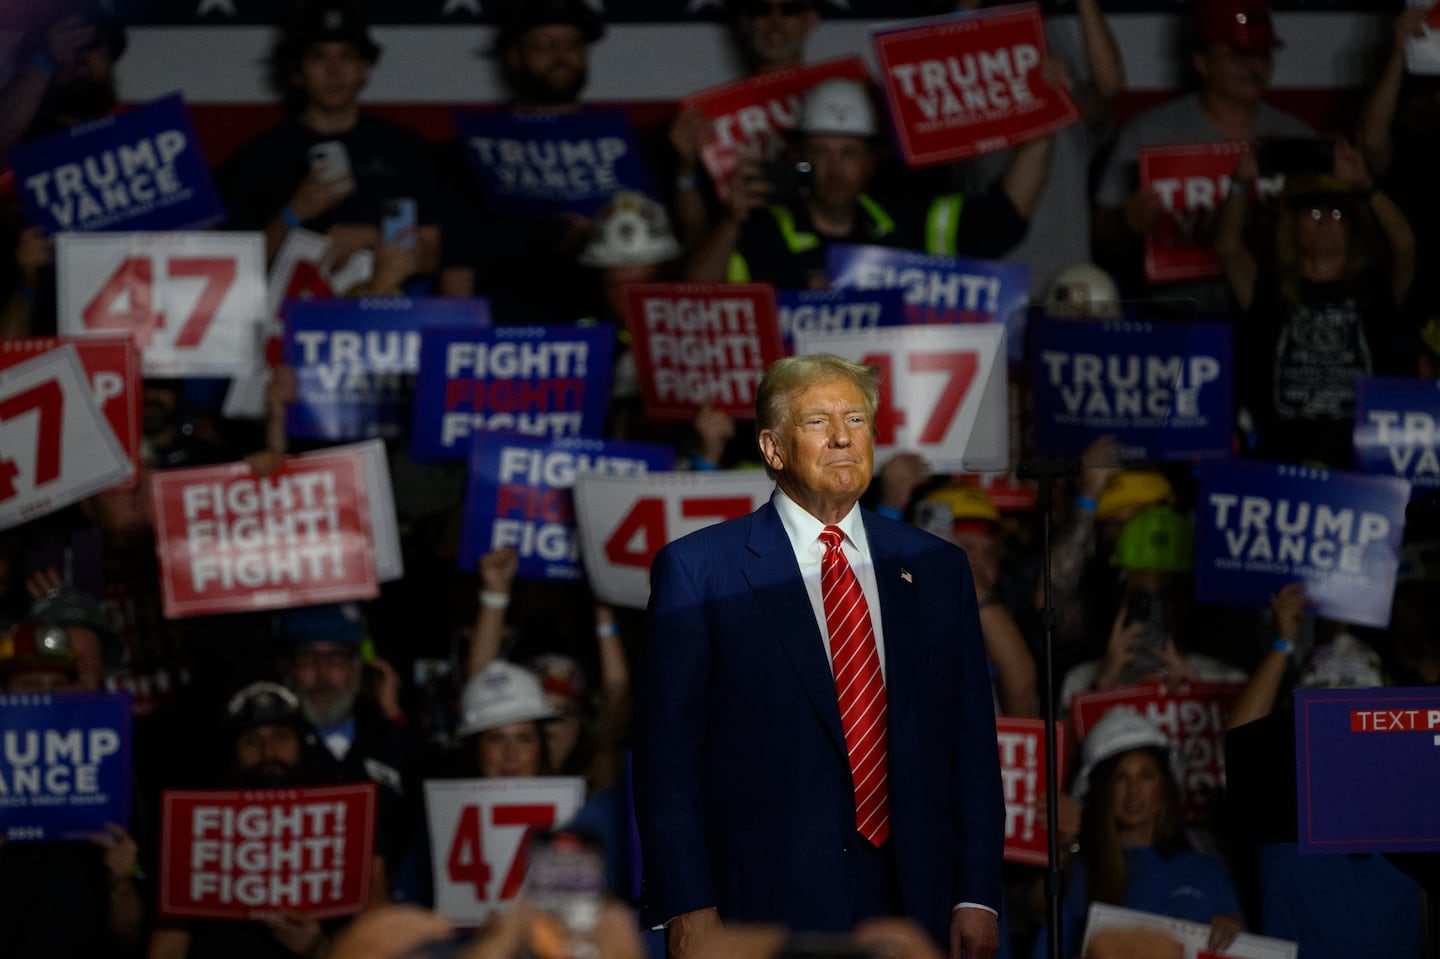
x: 859, y: 686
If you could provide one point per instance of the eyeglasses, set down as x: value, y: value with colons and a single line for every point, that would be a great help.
x: 1318, y: 213
x: 787, y: 8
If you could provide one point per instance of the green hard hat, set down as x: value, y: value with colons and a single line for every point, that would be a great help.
x: 1158, y: 540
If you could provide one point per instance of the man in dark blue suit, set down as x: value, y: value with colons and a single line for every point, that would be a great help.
x: 816, y: 744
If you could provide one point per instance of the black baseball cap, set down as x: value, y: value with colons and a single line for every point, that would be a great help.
x: 523, y: 15
x: 327, y: 21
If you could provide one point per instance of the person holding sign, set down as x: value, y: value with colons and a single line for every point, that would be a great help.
x: 266, y: 750
x: 1233, y: 43
x: 1133, y: 851
x: 331, y: 167
x: 1325, y: 312
x: 780, y: 220
x: 816, y: 741
x: 67, y: 898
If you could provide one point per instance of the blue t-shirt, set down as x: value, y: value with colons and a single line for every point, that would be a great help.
x: 1185, y: 886
x: 1336, y: 906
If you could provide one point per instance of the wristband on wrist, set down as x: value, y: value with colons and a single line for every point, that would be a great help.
x: 1282, y: 645
x: 492, y: 600
x: 290, y: 217
x: 687, y: 182
x: 1084, y: 503
x: 606, y: 630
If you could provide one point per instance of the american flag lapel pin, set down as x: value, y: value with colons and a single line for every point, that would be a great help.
x: 905, y: 575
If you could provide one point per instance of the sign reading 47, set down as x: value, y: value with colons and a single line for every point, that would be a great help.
x: 191, y: 301
x: 55, y: 445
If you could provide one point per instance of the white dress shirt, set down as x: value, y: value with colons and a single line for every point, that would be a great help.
x: 804, y: 532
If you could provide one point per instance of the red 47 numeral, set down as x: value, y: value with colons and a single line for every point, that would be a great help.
x: 646, y: 520
x: 126, y: 301
x: 48, y: 399
x: 959, y: 366
x: 466, y: 862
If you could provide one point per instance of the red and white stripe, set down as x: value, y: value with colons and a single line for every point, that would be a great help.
x: 859, y: 687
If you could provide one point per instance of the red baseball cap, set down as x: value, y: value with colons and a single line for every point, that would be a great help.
x: 1243, y: 24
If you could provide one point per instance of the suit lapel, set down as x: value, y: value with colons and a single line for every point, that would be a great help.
x: 897, y: 619
x: 774, y: 577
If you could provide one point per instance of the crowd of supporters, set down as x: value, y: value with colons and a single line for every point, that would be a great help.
x: 478, y: 673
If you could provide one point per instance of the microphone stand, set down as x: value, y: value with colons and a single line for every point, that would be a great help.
x: 1045, y: 472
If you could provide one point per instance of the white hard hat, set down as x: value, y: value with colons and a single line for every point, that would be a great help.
x: 1343, y: 663
x: 500, y: 694
x: 839, y: 106
x: 631, y: 230
x: 1083, y: 290
x: 1119, y: 731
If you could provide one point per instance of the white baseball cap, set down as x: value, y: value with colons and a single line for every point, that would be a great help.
x: 500, y: 694
x: 839, y: 106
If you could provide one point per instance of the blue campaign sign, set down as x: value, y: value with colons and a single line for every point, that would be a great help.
x: 1367, y: 764
x: 546, y: 381
x: 1165, y: 390
x: 1260, y: 526
x: 1396, y: 432
x: 64, y: 765
x: 519, y: 496
x: 835, y: 311
x: 355, y: 361
x: 553, y: 162
x: 137, y: 170
x: 940, y: 289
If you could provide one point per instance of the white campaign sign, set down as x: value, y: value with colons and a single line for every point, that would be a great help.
x: 56, y: 447
x: 624, y: 520
x: 380, y: 494
x: 479, y: 837
x: 299, y: 270
x: 190, y: 300
x: 1117, y: 924
x: 942, y: 393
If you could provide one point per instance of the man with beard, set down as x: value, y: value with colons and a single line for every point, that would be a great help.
x: 268, y: 735
x: 330, y: 167
x: 350, y: 732
x: 525, y: 264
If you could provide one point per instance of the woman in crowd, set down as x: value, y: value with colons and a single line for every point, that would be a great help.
x: 1133, y: 850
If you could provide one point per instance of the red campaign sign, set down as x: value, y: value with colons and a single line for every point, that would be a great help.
x: 972, y: 84
x: 751, y: 117
x: 1191, y: 715
x: 1191, y: 182
x: 699, y: 343
x: 231, y: 541
x: 1022, y: 772
x: 242, y: 855
x: 112, y: 365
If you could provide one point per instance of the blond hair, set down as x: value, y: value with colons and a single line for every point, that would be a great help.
x: 788, y: 377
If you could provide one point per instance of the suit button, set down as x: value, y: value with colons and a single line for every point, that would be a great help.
x: 845, y: 849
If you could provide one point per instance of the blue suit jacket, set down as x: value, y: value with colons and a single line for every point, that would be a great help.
x: 743, y: 787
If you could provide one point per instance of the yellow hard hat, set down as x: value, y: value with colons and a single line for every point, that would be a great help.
x: 1132, y: 488
x: 965, y: 502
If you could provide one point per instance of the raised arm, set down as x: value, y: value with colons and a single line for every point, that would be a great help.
x: 1378, y: 113
x: 1107, y: 67
x: 1236, y: 260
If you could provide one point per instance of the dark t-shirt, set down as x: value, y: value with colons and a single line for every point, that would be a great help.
x: 1300, y: 362
x: 54, y: 901
x: 988, y: 226
x: 388, y: 161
